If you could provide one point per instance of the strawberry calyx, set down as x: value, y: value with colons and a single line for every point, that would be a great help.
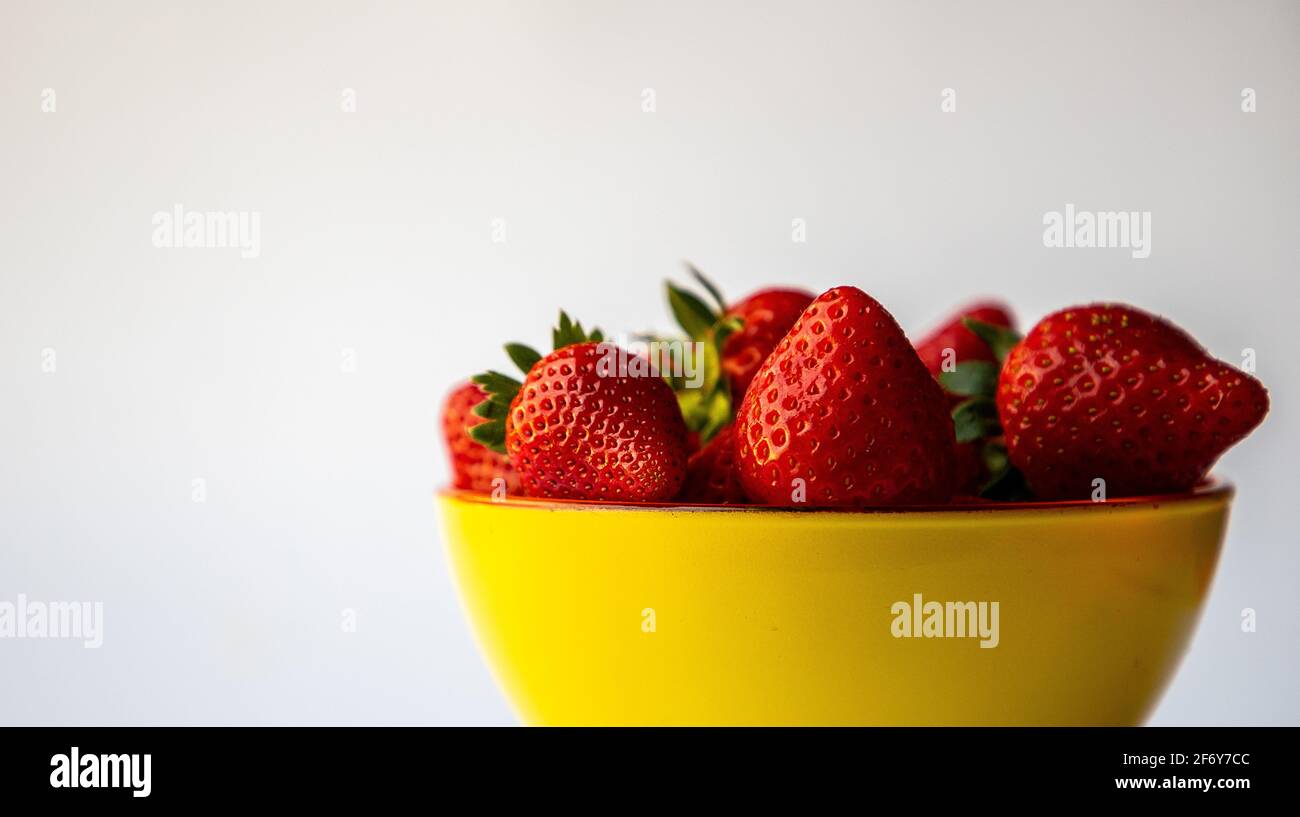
x: 502, y: 388
x: 999, y: 339
x: 975, y: 418
x: 708, y: 407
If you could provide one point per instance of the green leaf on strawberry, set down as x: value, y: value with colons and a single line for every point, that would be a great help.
x: 974, y: 419
x: 1007, y: 483
x: 496, y: 383
x: 692, y: 314
x: 706, y: 408
x: 999, y: 339
x: 491, y: 434
x: 501, y: 389
x: 705, y: 413
x: 491, y: 409
x: 522, y: 356
x: 709, y: 287
x: 725, y: 328
x: 972, y: 378
x: 568, y: 332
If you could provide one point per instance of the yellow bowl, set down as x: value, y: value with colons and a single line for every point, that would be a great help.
x: 620, y: 614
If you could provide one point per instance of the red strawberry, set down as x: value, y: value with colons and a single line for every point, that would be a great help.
x: 573, y: 433
x: 736, y: 339
x: 844, y: 403
x: 765, y: 318
x: 711, y: 475
x: 955, y: 335
x: 473, y: 467
x: 590, y: 421
x: 1108, y: 391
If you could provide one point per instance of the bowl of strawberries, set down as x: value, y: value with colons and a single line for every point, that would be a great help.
x: 792, y: 514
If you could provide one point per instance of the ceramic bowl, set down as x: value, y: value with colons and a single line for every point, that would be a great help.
x: 1028, y: 613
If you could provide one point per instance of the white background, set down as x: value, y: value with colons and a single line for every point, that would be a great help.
x: 177, y: 364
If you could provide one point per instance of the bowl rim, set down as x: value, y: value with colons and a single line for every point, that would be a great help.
x: 1211, y: 488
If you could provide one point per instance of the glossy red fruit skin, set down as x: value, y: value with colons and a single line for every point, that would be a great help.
x: 473, y: 467
x: 844, y: 403
x: 574, y: 432
x: 954, y: 335
x: 1109, y: 391
x: 766, y: 316
x: 711, y: 475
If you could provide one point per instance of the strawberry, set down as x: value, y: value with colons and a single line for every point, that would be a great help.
x: 582, y: 426
x: 473, y: 467
x: 954, y: 334
x: 844, y: 404
x: 765, y: 317
x: 1108, y: 391
x: 736, y: 339
x: 983, y: 467
x: 711, y: 475
x: 952, y: 344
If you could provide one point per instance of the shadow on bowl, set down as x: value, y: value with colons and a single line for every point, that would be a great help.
x: 997, y: 614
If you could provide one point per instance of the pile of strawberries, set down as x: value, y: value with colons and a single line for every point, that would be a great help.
x: 822, y: 401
